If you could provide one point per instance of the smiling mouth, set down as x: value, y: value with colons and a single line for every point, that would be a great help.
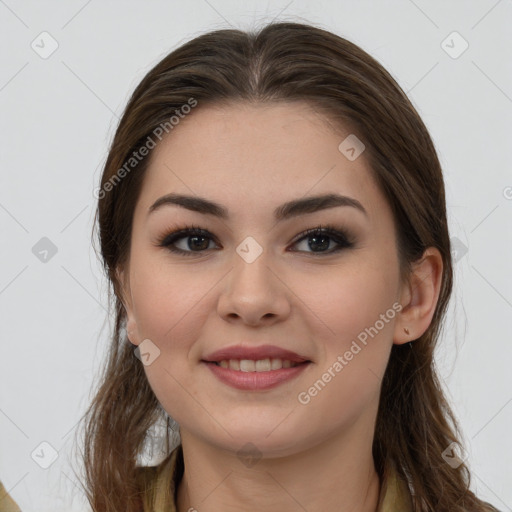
x: 256, y: 375
x: 260, y: 365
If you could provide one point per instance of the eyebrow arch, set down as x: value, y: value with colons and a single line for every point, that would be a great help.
x: 285, y: 211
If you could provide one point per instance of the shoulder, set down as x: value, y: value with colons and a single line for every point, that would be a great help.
x: 7, y: 504
x: 395, y: 494
x: 158, y: 483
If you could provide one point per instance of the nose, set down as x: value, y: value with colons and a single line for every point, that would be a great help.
x: 253, y: 293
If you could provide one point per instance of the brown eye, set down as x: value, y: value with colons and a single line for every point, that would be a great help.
x: 319, y: 240
x: 192, y: 240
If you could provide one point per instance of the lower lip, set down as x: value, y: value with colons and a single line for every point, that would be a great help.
x: 255, y: 380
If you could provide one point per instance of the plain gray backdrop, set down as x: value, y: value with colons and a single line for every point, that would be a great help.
x: 67, y: 70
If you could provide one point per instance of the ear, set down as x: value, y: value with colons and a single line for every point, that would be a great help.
x: 419, y: 296
x: 126, y: 297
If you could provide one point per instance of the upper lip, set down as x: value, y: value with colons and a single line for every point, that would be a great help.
x: 254, y: 353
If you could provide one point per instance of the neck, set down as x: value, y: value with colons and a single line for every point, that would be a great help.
x: 337, y: 475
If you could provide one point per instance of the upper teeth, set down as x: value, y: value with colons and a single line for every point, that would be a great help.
x: 261, y: 365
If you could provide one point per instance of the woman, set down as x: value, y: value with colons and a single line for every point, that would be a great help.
x: 272, y: 220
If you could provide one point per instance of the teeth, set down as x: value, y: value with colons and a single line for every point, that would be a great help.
x: 276, y: 364
x: 247, y: 366
x: 262, y: 365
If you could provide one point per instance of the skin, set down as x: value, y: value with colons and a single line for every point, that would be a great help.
x: 251, y: 159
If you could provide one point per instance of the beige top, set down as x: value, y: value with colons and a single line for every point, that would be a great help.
x: 7, y: 504
x: 394, y: 494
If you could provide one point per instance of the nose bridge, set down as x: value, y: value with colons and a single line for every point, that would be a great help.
x: 251, y: 275
x: 252, y: 290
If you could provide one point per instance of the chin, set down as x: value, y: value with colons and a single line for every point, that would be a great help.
x: 249, y: 441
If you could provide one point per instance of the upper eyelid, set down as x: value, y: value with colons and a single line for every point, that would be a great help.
x: 187, y: 231
x: 329, y: 230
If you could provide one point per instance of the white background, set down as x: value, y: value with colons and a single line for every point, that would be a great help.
x: 58, y: 115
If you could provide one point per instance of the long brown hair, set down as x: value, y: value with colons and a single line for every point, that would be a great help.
x: 284, y: 62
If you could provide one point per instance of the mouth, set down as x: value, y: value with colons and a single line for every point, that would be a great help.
x: 264, y: 357
x: 260, y: 375
x: 259, y: 365
x: 254, y: 368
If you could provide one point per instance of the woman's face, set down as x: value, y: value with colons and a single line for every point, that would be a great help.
x: 254, y: 280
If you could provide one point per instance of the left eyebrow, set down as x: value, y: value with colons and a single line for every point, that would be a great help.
x: 287, y: 210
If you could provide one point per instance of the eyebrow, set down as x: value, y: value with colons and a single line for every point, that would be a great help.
x: 285, y: 211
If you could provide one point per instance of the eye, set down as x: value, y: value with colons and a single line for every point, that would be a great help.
x: 319, y: 240
x: 192, y: 239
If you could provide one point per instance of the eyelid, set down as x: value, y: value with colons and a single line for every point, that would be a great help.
x: 327, y: 229
x: 176, y: 233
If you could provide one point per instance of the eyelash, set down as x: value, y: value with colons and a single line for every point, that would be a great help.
x: 341, y: 237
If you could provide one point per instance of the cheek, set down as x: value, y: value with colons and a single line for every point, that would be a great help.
x: 354, y: 358
x: 355, y: 308
x: 344, y: 301
x: 168, y: 302
x: 171, y: 305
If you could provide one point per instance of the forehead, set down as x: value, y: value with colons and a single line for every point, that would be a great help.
x: 254, y: 157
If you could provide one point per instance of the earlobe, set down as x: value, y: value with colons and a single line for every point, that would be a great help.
x: 419, y: 297
x: 132, y: 331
